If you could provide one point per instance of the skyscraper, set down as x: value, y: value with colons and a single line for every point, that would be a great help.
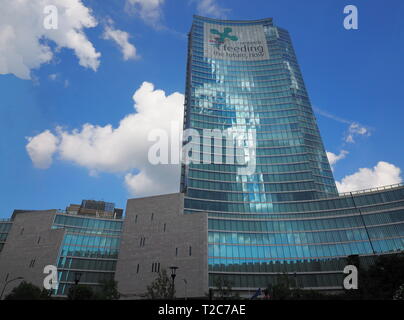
x: 245, y: 74
x: 287, y: 216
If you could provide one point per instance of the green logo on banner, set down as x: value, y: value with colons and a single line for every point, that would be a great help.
x: 222, y: 36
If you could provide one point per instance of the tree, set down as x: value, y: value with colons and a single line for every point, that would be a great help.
x: 161, y: 287
x: 280, y: 290
x: 223, y: 287
x: 384, y: 278
x: 28, y: 291
x: 81, y: 292
x: 108, y: 290
x: 399, y: 294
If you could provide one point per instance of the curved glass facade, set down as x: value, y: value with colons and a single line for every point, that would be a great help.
x: 287, y: 215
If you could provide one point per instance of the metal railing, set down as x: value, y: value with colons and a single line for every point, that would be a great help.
x: 382, y: 188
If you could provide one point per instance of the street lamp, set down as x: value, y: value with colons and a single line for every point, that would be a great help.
x: 6, y: 283
x: 173, y: 275
x: 186, y: 282
x: 77, y: 277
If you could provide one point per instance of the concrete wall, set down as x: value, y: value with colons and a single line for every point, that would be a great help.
x: 168, y: 234
x: 30, y: 237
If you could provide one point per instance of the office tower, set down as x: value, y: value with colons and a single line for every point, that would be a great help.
x: 287, y: 216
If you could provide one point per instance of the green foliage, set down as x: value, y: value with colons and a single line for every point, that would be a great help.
x: 399, y: 294
x: 281, y: 290
x: 81, y: 292
x: 28, y: 291
x: 223, y: 287
x: 108, y: 290
x: 383, y: 279
x: 161, y: 287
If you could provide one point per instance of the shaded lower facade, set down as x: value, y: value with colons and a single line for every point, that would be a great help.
x: 312, y: 241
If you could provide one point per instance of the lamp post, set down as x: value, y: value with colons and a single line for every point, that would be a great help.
x: 173, y: 275
x: 186, y: 283
x: 6, y: 283
x: 77, y: 277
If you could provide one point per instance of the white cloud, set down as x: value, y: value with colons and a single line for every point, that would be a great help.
x: 356, y: 129
x: 334, y: 158
x: 24, y: 41
x: 211, y: 8
x: 41, y: 149
x: 122, y: 39
x: 53, y: 76
x: 382, y: 174
x: 125, y: 148
x: 148, y: 10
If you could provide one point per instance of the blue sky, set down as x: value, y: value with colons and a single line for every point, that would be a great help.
x: 354, y: 80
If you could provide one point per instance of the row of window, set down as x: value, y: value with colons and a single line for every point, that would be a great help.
x: 252, y: 207
x: 235, y: 65
x: 260, y: 170
x: 299, y: 238
x: 86, y: 277
x: 315, y: 214
x: 286, y: 225
x: 295, y: 238
x: 5, y: 227
x: 275, y: 168
x: 237, y: 70
x: 3, y: 237
x: 263, y: 178
x: 91, y: 241
x: 198, y: 57
x: 89, y: 252
x: 220, y: 109
x: 294, y: 251
x: 88, y: 222
x: 234, y: 112
x: 292, y: 117
x: 86, y: 264
x: 258, y: 124
x: 378, y: 198
x: 88, y: 231
x: 263, y: 281
x: 275, y: 74
x: 256, y: 105
x: 372, y: 221
x: 281, y: 266
x: 219, y: 71
x: 250, y: 187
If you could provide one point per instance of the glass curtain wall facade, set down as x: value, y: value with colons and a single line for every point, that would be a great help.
x: 90, y: 247
x: 287, y: 216
x: 5, y: 226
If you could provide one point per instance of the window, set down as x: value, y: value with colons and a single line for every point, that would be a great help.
x: 156, y: 267
x: 32, y: 263
x: 190, y: 250
x: 176, y: 252
x: 137, y: 269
